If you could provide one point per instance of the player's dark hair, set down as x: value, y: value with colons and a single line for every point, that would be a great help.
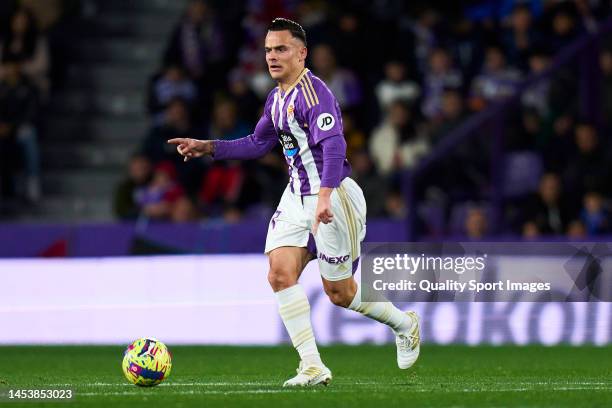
x: 282, y: 24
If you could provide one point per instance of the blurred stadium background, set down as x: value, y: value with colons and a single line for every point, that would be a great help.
x: 482, y: 120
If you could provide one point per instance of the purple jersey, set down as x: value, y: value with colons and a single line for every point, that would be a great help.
x: 302, y: 116
x: 299, y: 118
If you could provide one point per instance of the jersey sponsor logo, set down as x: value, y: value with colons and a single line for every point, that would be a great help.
x: 289, y: 143
x: 325, y: 121
x: 334, y: 260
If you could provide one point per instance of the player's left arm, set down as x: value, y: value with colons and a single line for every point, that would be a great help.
x: 325, y: 124
x: 334, y: 154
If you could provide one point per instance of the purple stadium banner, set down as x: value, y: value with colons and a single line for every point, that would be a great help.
x: 120, y: 239
x: 225, y: 299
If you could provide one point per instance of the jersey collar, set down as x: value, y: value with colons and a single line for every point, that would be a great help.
x: 293, y: 85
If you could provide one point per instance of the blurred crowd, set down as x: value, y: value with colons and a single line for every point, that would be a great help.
x: 402, y: 92
x: 25, y: 66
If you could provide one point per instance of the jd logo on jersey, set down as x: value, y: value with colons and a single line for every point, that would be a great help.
x: 325, y: 121
x: 289, y: 143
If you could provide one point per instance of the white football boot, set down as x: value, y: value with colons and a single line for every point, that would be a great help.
x: 309, y: 376
x: 408, y: 343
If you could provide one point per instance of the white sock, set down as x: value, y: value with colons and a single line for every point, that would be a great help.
x: 294, y: 310
x: 384, y: 312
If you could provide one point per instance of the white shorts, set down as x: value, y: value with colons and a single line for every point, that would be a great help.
x: 338, y: 244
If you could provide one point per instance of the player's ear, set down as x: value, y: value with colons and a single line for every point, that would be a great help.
x: 303, y: 54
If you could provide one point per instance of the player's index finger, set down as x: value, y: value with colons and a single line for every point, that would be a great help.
x: 178, y: 140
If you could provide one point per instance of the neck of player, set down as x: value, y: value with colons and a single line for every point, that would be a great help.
x: 284, y: 85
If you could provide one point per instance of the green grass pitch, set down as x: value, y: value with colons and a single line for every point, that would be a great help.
x: 364, y: 376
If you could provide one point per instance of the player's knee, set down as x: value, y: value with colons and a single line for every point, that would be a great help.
x: 339, y: 296
x: 280, y: 279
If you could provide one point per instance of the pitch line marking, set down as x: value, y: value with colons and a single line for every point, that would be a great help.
x: 272, y: 383
x: 278, y: 391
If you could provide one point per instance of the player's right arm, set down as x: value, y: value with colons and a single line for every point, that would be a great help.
x: 253, y: 146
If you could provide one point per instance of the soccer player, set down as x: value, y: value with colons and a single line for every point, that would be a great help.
x: 321, y: 202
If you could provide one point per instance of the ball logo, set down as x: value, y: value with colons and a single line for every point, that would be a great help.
x: 325, y: 121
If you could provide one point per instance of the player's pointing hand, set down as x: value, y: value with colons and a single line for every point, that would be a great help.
x: 189, y: 148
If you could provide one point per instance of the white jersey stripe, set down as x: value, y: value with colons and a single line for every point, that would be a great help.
x: 308, y: 161
x: 273, y: 110
x: 295, y: 175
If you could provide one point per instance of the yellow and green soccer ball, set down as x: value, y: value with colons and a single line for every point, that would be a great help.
x: 147, y: 362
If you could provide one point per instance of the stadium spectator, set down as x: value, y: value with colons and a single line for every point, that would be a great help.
x: 589, y: 168
x: 259, y: 80
x: 395, y: 86
x: 177, y: 123
x: 239, y: 90
x: 183, y: 210
x: 225, y: 123
x: 341, y: 81
x: 595, y: 214
x: 439, y: 76
x: 374, y: 186
x: 170, y: 84
x: 199, y: 44
x: 221, y: 189
x: 476, y: 224
x: 462, y: 170
x: 451, y: 115
x: 139, y: 176
x: 314, y: 18
x: 564, y: 26
x: 356, y: 138
x: 395, y: 205
x: 424, y: 31
x: 530, y: 231
x: 467, y: 46
x: 350, y: 28
x: 520, y: 36
x: 528, y: 133
x: 557, y: 150
x: 547, y: 209
x: 589, y: 12
x: 536, y: 96
x: 19, y: 110
x: 576, y: 230
x: 158, y: 198
x: 398, y: 142
x: 23, y: 42
x: 496, y: 81
x: 270, y: 174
